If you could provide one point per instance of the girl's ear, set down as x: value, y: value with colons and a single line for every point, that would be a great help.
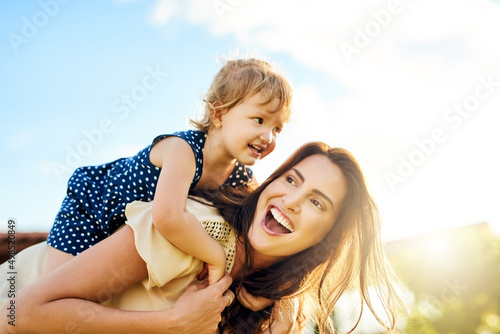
x: 217, y: 117
x: 217, y: 113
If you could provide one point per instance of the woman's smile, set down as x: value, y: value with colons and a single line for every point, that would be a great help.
x: 297, y: 210
x: 276, y: 223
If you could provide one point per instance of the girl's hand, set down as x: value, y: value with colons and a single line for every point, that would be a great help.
x: 215, y: 273
x: 252, y: 302
x: 216, y: 269
x: 203, y: 273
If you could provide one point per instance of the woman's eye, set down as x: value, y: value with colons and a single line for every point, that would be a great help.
x: 317, y: 204
x: 258, y: 120
x: 290, y: 180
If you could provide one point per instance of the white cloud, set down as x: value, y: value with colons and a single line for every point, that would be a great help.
x: 41, y: 167
x: 413, y: 66
x: 20, y: 140
x: 163, y: 11
x: 402, y: 64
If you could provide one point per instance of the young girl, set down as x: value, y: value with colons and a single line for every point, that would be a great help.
x: 246, y: 107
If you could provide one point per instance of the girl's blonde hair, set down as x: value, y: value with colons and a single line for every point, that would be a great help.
x: 242, y: 78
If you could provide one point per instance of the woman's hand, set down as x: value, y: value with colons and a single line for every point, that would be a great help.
x: 252, y: 302
x: 199, y: 308
x: 246, y: 299
x: 284, y: 315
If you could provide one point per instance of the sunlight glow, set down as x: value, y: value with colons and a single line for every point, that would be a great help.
x: 439, y: 246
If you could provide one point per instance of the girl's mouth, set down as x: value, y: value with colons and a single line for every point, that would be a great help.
x: 276, y: 223
x: 257, y: 150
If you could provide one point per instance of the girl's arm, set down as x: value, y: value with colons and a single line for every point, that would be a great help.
x: 181, y: 228
x: 65, y: 300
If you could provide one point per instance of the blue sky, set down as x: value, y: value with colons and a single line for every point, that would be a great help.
x: 411, y: 88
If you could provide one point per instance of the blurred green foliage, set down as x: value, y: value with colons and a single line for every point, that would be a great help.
x: 455, y: 279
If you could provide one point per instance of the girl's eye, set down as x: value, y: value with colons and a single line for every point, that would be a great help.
x: 258, y: 120
x: 276, y: 130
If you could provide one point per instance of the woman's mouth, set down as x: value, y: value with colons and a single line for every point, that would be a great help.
x: 276, y: 223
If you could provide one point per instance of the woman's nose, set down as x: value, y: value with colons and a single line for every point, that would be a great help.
x: 292, y: 201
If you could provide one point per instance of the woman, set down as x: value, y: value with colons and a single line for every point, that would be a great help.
x: 310, y: 229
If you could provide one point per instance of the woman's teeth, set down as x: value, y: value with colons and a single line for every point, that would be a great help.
x: 281, y: 219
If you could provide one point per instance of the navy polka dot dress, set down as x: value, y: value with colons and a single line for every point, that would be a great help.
x: 94, y: 206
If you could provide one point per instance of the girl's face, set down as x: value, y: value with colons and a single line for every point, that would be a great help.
x: 248, y: 131
x: 297, y: 210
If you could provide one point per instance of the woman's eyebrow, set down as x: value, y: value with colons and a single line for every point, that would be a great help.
x: 299, y: 174
x: 316, y: 191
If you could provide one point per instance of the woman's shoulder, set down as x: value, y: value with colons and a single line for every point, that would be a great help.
x: 199, y: 207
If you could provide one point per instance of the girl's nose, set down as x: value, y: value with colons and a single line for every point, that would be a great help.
x: 266, y: 136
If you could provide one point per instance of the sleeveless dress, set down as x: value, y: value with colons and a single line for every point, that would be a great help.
x: 94, y: 206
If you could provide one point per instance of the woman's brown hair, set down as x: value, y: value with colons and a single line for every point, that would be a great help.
x: 349, y: 256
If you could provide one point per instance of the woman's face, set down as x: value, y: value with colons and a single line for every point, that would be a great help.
x: 297, y: 210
